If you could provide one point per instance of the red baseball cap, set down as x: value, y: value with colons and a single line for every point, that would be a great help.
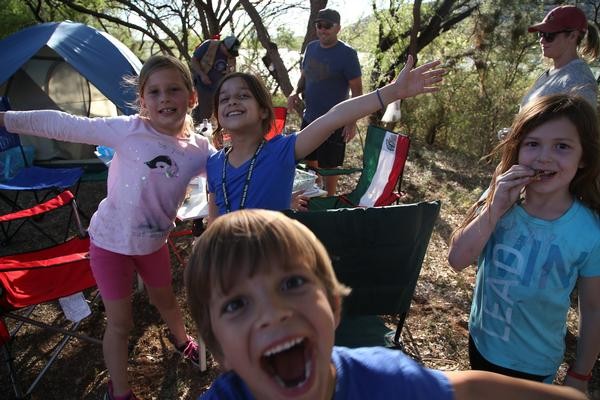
x: 561, y: 19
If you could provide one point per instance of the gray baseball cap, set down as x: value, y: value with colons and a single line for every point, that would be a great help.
x: 232, y: 44
x: 327, y: 14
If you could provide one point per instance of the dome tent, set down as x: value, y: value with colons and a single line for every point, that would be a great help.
x: 66, y: 66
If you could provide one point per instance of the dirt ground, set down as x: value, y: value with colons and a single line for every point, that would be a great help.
x: 435, y: 331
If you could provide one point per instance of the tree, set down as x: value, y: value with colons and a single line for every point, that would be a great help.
x: 491, y: 59
x: 436, y: 18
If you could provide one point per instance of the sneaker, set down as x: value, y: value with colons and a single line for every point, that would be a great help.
x: 110, y: 396
x: 189, y: 350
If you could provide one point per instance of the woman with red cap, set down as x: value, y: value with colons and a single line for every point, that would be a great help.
x: 565, y: 35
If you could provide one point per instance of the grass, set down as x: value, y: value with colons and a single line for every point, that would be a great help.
x: 435, y: 331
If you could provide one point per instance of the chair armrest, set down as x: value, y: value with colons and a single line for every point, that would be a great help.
x: 336, y: 171
x: 56, y: 202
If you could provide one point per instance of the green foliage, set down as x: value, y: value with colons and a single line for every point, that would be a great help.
x: 14, y: 15
x: 285, y: 38
x: 491, y: 60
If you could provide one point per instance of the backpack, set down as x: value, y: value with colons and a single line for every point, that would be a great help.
x: 207, y: 61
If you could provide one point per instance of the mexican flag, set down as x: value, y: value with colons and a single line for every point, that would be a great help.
x: 383, y: 163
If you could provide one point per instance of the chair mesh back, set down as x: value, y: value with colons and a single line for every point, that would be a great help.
x: 7, y: 140
x: 378, y: 252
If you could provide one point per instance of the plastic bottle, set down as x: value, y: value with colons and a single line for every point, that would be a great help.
x: 205, y: 128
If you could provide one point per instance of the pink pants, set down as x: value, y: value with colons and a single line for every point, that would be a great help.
x: 114, y: 271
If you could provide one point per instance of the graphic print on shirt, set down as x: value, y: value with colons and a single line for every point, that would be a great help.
x: 519, y: 272
x: 163, y: 165
x: 317, y: 70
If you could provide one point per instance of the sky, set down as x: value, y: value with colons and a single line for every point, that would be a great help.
x: 296, y: 20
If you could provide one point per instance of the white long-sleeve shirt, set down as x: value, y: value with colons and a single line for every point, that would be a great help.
x: 147, y: 177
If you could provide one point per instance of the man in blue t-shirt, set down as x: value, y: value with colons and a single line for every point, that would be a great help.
x: 329, y: 69
x: 210, y: 62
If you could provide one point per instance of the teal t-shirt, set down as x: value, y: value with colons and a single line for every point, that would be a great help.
x: 526, y: 273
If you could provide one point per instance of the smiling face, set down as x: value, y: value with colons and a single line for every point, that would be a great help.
x: 554, y: 151
x: 238, y: 109
x: 276, y: 331
x: 327, y: 33
x: 165, y: 100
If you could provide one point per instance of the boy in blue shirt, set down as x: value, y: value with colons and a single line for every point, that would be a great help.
x: 266, y: 300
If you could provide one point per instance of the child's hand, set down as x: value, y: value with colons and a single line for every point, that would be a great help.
x: 423, y: 79
x: 299, y: 201
x: 508, y: 188
x: 349, y: 132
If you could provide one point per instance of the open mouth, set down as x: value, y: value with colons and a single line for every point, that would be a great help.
x: 541, y: 174
x: 167, y: 110
x: 288, y: 363
x: 233, y: 113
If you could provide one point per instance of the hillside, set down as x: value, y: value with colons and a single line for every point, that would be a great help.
x: 435, y: 331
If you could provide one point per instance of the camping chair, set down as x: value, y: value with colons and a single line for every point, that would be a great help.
x: 278, y: 124
x: 378, y: 253
x: 36, y: 180
x: 32, y: 278
x: 384, y: 157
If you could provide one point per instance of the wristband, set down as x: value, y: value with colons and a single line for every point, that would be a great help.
x: 579, y: 377
x: 379, y: 98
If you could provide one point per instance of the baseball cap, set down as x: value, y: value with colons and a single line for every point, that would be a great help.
x: 327, y: 14
x: 232, y: 44
x: 560, y: 19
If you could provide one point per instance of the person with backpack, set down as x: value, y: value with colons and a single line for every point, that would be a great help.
x: 211, y: 60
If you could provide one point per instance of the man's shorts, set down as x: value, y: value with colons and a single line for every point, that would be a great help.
x: 204, y: 109
x: 331, y: 153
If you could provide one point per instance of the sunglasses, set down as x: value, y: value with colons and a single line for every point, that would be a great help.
x: 324, y: 25
x: 550, y: 36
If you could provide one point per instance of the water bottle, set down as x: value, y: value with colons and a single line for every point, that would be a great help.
x: 205, y: 128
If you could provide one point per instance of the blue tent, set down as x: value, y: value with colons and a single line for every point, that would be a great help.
x: 99, y: 57
x: 67, y: 66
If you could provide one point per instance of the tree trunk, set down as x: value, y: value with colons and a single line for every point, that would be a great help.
x: 276, y: 65
x: 311, y: 33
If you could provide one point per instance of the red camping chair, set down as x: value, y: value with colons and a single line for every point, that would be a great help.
x: 32, y: 278
x: 278, y: 124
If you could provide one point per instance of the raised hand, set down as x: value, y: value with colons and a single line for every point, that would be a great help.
x: 508, y: 188
x: 423, y: 79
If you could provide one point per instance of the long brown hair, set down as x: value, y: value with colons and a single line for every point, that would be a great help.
x: 260, y: 93
x: 585, y: 186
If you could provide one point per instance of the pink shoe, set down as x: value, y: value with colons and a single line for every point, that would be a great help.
x: 190, y: 350
x: 110, y: 396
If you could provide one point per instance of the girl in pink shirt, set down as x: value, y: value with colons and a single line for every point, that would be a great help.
x: 157, y: 153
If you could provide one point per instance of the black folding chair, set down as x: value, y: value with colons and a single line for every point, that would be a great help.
x: 377, y: 252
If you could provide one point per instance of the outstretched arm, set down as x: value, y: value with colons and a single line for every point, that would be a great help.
x: 410, y: 82
x: 475, y: 385
x: 357, y: 90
